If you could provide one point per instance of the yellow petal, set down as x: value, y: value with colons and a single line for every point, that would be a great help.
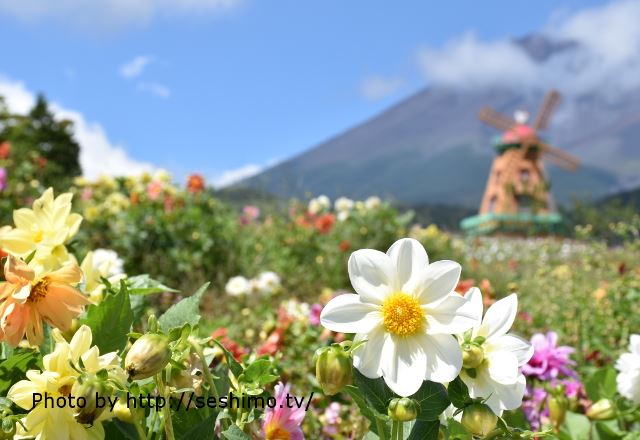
x: 21, y: 393
x: 24, y: 218
x: 81, y: 341
x: 18, y: 242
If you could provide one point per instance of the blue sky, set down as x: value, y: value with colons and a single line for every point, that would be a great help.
x: 224, y: 86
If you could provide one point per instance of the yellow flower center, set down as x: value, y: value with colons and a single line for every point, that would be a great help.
x: 277, y: 433
x: 38, y: 291
x: 38, y: 237
x: 402, y: 314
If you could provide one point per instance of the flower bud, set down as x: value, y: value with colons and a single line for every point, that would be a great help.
x: 402, y: 409
x: 89, y: 388
x: 333, y: 369
x: 472, y: 355
x: 558, y: 406
x: 7, y: 428
x: 479, y: 420
x: 147, y: 356
x: 123, y: 413
x: 603, y: 409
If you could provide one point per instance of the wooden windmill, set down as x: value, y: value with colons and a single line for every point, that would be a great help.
x: 517, y: 192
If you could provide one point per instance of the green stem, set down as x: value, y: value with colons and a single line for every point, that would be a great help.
x: 394, y: 430
x: 381, y: 429
x: 139, y: 430
x: 152, y: 425
x: 224, y: 423
x: 493, y: 434
x: 166, y: 410
x: 205, y: 367
x: 400, y: 430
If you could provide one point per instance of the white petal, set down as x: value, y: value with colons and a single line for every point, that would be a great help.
x: 444, y: 358
x: 437, y: 280
x: 511, y: 343
x: 372, y: 275
x: 503, y: 367
x: 409, y: 258
x: 403, y: 361
x: 634, y: 344
x: 452, y: 315
x: 499, y: 318
x: 474, y: 296
x: 346, y: 313
x: 507, y: 396
x: 367, y: 358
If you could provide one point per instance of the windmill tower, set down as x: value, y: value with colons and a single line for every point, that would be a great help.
x: 517, y: 197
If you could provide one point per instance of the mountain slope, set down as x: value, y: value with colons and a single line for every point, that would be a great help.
x: 431, y: 147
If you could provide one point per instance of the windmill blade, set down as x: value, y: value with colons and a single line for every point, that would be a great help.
x: 498, y: 120
x: 559, y: 157
x: 547, y: 108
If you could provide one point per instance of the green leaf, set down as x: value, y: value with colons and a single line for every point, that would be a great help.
x: 235, y: 433
x: 375, y: 391
x: 608, y: 431
x: 459, y: 393
x: 575, y: 427
x: 433, y: 400
x: 13, y: 369
x: 259, y: 372
x: 516, y: 419
x: 186, y: 311
x: 457, y: 431
x: 371, y: 414
x: 424, y: 430
x: 234, y: 365
x: 145, y: 285
x: 194, y: 424
x: 602, y: 384
x: 118, y: 430
x: 111, y: 320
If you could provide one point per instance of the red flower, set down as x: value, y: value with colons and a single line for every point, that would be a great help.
x: 274, y: 343
x: 195, y: 183
x: 464, y: 285
x: 325, y: 223
x: 232, y: 347
x: 5, y: 150
x: 344, y: 245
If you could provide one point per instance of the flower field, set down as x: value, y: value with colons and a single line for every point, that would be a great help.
x: 141, y: 289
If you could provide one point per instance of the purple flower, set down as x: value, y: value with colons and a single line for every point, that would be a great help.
x: 314, y: 314
x: 3, y: 179
x: 573, y: 388
x: 331, y: 419
x: 534, y: 406
x: 549, y: 361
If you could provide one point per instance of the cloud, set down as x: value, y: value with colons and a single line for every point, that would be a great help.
x: 98, y: 155
x: 135, y: 67
x: 605, y: 53
x: 468, y: 62
x: 156, y: 89
x: 107, y: 15
x: 235, y: 175
x: 377, y: 87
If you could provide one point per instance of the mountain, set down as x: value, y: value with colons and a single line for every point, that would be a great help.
x: 430, y: 148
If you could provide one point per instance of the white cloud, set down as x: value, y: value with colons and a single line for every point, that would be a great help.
x: 377, y: 87
x: 235, y: 175
x: 468, y: 62
x: 156, y: 89
x: 135, y: 67
x: 107, y: 15
x: 607, y: 55
x: 98, y: 155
